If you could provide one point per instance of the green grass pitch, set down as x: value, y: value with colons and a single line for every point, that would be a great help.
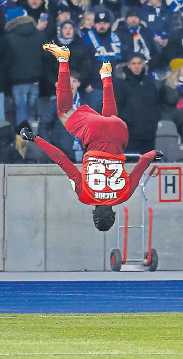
x: 126, y: 336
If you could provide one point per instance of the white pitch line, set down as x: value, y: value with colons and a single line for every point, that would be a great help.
x: 92, y: 354
x: 35, y: 316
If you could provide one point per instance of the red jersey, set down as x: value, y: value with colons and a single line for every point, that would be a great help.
x: 104, y: 179
x: 97, y: 132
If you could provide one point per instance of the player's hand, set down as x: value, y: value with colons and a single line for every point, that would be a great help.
x: 27, y: 134
x: 159, y: 155
x: 153, y: 155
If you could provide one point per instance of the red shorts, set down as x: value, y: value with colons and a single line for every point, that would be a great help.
x: 96, y: 132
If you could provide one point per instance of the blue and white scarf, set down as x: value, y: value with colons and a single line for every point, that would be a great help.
x: 175, y: 5
x: 102, y: 53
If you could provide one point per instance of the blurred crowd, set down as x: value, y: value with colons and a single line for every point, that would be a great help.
x: 143, y: 39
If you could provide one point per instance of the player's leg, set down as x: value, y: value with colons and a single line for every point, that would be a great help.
x: 63, y: 87
x: 138, y: 171
x: 109, y: 107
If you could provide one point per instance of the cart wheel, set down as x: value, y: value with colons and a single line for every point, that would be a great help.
x: 154, y: 261
x: 115, y: 260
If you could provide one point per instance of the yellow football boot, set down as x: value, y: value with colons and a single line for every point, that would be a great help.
x: 60, y: 52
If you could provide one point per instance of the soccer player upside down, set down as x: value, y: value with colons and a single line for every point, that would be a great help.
x: 103, y: 181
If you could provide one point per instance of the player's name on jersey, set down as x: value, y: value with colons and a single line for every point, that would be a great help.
x: 105, y: 195
x: 103, y: 160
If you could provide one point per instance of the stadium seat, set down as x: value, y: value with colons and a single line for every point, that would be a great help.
x: 167, y: 140
x: 6, y: 132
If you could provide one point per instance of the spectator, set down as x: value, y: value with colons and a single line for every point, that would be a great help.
x: 135, y: 37
x: 2, y: 77
x: 138, y: 105
x: 174, y: 49
x: 87, y: 21
x: 75, y: 7
x: 35, y: 8
x: 175, y: 5
x: 176, y: 23
x: 8, y: 153
x: 103, y: 45
x: 52, y: 129
x: 157, y: 17
x: 21, y: 145
x: 48, y: 115
x: 79, y: 60
x: 112, y: 5
x: 56, y: 7
x: 172, y: 95
x: 10, y: 9
x: 38, y: 10
x: 128, y: 4
x: 63, y: 14
x: 70, y: 145
x: 24, y: 61
x: 78, y: 7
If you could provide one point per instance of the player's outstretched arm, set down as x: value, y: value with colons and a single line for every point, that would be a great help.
x: 57, y: 156
x: 140, y: 168
x: 63, y: 87
x: 109, y: 107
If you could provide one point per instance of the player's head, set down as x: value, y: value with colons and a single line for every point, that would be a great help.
x: 103, y: 218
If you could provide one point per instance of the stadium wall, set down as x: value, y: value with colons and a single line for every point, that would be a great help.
x: 43, y: 227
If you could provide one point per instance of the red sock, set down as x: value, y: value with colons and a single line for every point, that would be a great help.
x: 63, y: 91
x: 109, y: 104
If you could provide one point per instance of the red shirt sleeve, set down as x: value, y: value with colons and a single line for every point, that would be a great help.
x: 62, y: 161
